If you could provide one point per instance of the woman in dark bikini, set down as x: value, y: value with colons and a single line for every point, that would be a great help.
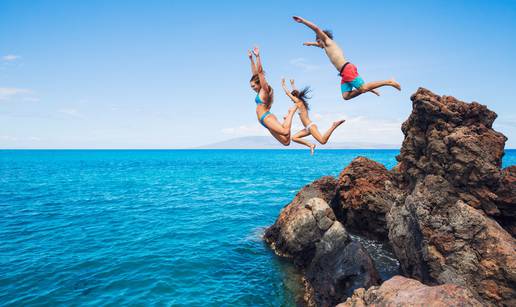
x: 264, y: 97
x: 299, y: 98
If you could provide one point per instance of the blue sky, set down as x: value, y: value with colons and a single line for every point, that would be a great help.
x: 174, y: 74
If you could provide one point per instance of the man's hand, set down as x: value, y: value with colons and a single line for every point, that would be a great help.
x: 256, y: 51
x: 292, y: 82
x: 249, y: 54
x: 298, y: 19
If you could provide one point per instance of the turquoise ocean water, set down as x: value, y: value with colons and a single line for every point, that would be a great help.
x: 171, y: 228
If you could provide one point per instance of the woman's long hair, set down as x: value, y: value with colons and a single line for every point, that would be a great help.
x: 256, y: 79
x: 303, y: 95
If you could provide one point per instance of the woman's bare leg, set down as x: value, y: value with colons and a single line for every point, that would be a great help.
x: 287, y: 122
x: 323, y: 139
x: 298, y: 139
x: 272, y: 123
x: 370, y: 87
x: 284, y: 140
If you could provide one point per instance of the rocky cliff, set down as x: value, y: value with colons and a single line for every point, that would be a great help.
x: 447, y: 210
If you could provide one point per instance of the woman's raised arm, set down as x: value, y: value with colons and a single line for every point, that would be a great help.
x: 261, y: 75
x: 254, y: 70
x: 287, y: 91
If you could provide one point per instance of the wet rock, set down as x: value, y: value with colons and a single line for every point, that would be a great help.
x: 337, y: 271
x: 401, y: 291
x: 308, y: 233
x: 366, y: 193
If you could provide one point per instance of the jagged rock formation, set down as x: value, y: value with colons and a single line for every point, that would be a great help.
x: 366, y: 193
x: 308, y: 233
x: 450, y: 167
x: 401, y: 291
x: 447, y: 209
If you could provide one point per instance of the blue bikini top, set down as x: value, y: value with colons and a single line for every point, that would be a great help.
x: 258, y: 100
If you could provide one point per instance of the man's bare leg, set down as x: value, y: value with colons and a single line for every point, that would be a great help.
x: 370, y: 87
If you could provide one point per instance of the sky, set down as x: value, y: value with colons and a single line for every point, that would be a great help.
x: 175, y: 74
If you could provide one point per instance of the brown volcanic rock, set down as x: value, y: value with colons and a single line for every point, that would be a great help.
x: 401, y: 291
x: 506, y: 200
x: 308, y: 233
x: 450, y: 167
x: 366, y: 193
x: 444, y: 205
x: 451, y: 242
x: 300, y: 225
x: 455, y: 140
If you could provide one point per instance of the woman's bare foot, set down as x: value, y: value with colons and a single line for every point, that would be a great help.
x: 338, y: 123
x: 312, y: 148
x: 395, y: 84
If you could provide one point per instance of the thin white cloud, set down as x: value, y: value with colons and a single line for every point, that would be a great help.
x: 70, y: 112
x: 303, y: 64
x: 356, y: 129
x: 8, y: 92
x: 10, y: 58
x: 31, y: 99
x: 245, y: 130
x: 364, y: 129
x: 8, y: 138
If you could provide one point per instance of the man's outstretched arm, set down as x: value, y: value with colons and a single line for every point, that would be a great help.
x: 312, y: 26
x: 311, y: 44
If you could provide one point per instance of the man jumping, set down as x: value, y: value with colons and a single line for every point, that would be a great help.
x: 350, y: 77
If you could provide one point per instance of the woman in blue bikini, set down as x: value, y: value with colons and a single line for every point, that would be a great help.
x: 264, y: 97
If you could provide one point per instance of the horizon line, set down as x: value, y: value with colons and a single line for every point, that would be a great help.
x: 15, y: 149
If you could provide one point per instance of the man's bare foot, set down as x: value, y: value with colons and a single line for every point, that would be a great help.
x: 338, y: 123
x: 395, y: 84
x: 375, y: 92
x: 312, y: 148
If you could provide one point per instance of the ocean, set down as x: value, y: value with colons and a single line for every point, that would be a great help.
x: 155, y: 227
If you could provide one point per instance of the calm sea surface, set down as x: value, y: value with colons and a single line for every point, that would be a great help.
x: 154, y: 227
